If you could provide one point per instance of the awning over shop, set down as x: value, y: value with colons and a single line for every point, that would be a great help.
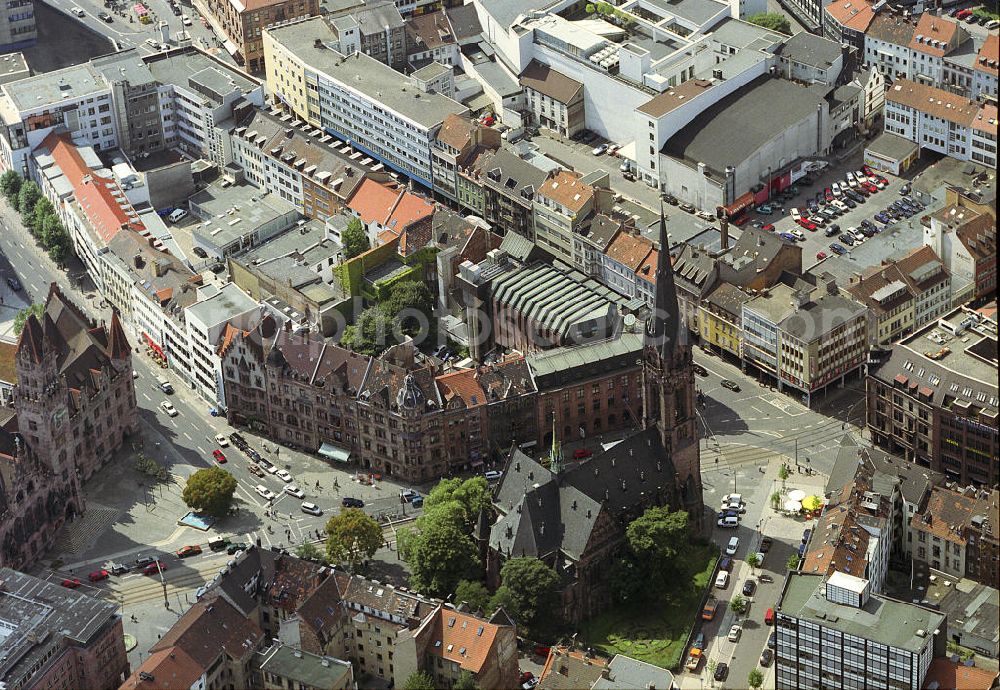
x: 334, y: 453
x: 740, y: 204
x: 152, y: 344
x: 230, y: 48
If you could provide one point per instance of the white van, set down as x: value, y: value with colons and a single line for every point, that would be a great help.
x: 177, y: 214
x: 722, y: 579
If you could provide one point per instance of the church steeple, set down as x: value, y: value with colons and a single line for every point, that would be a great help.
x: 665, y: 331
x: 668, y: 384
x: 555, y: 452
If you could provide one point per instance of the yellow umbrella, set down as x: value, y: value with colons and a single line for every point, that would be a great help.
x: 811, y: 502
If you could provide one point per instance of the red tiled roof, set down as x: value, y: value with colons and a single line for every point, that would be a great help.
x: 395, y: 208
x: 989, y: 55
x: 941, y: 30
x: 629, y: 250
x: 102, y: 200
x: 933, y: 101
x: 854, y: 14
x: 464, y: 385
x: 465, y: 639
x: 986, y: 119
x: 167, y: 668
x: 948, y: 674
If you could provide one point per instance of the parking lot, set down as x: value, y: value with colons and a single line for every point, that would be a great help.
x: 864, y: 212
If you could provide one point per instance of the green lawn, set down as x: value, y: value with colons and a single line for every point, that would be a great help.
x: 655, y: 632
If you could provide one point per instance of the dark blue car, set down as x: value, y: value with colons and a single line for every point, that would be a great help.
x: 882, y: 218
x: 837, y: 249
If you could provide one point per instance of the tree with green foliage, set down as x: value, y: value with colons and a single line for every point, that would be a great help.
x: 419, y: 681
x: 755, y: 679
x: 776, y: 500
x: 43, y: 210
x: 210, y: 491
x: 352, y: 537
x: 793, y: 561
x: 22, y: 316
x: 10, y: 185
x: 753, y: 560
x: 739, y: 604
x: 355, y: 239
x: 370, y: 334
x: 528, y: 592
x: 773, y: 21
x: 473, y: 593
x: 310, y: 552
x: 471, y: 495
x: 439, y: 552
x: 151, y: 468
x: 27, y: 197
x: 465, y: 681
x: 590, y: 8
x: 410, y: 305
x: 657, y: 538
x: 783, y: 474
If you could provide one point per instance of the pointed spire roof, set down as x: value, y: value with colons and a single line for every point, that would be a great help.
x: 31, y: 339
x: 664, y: 329
x: 555, y: 453
x: 118, y: 345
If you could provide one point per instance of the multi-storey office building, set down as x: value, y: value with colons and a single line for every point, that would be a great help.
x: 355, y: 97
x: 934, y: 401
x: 833, y: 632
x: 243, y: 23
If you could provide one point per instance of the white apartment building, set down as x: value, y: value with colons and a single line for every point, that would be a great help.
x: 205, y: 321
x: 942, y: 121
x: 197, y: 96
x: 985, y: 69
x: 834, y: 632
x: 77, y: 98
x: 356, y: 98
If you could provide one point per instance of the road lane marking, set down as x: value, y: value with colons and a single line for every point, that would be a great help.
x: 187, y: 436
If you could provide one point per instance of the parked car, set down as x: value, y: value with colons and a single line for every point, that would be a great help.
x: 71, y: 582
x: 688, y: 208
x: 600, y: 150
x: 722, y: 580
x: 764, y: 577
x: 837, y: 249
x: 765, y: 544
x: 768, y: 228
x: 105, y: 17
x: 284, y: 475
x: 236, y: 547
x: 154, y: 568
x: 832, y: 230
x: 188, y: 551
x: 348, y: 502
x: 728, y: 522
x: 699, y: 641
x: 749, y: 587
x: 769, y: 617
x: 734, y: 633
x: 787, y: 236
x: 492, y: 475
x: 264, y: 492
x: 219, y: 456
x: 78, y: 11
x: 98, y: 575
x: 731, y: 385
x: 14, y: 284
x: 846, y: 239
x: 766, y: 657
x: 142, y: 561
x: 721, y: 671
x: 295, y: 491
x: 733, y: 546
x: 238, y: 440
x: 726, y: 563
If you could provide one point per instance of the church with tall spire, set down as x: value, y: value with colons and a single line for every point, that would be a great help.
x: 668, y: 392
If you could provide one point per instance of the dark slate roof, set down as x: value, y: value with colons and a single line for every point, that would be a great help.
x: 914, y: 481
x: 544, y: 513
x: 810, y: 49
x: 665, y: 329
x: 464, y: 21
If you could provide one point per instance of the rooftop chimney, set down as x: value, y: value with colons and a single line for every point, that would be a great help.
x: 724, y: 225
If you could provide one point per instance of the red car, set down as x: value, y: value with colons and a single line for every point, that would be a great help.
x: 828, y: 194
x: 219, y: 456
x: 98, y: 575
x: 581, y: 453
x: 189, y: 550
x: 151, y: 569
x: 866, y: 170
x: 820, y: 255
x: 870, y: 187
x: 768, y: 228
x: 71, y: 582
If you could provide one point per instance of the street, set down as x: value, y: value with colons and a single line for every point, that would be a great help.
x: 134, y: 34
